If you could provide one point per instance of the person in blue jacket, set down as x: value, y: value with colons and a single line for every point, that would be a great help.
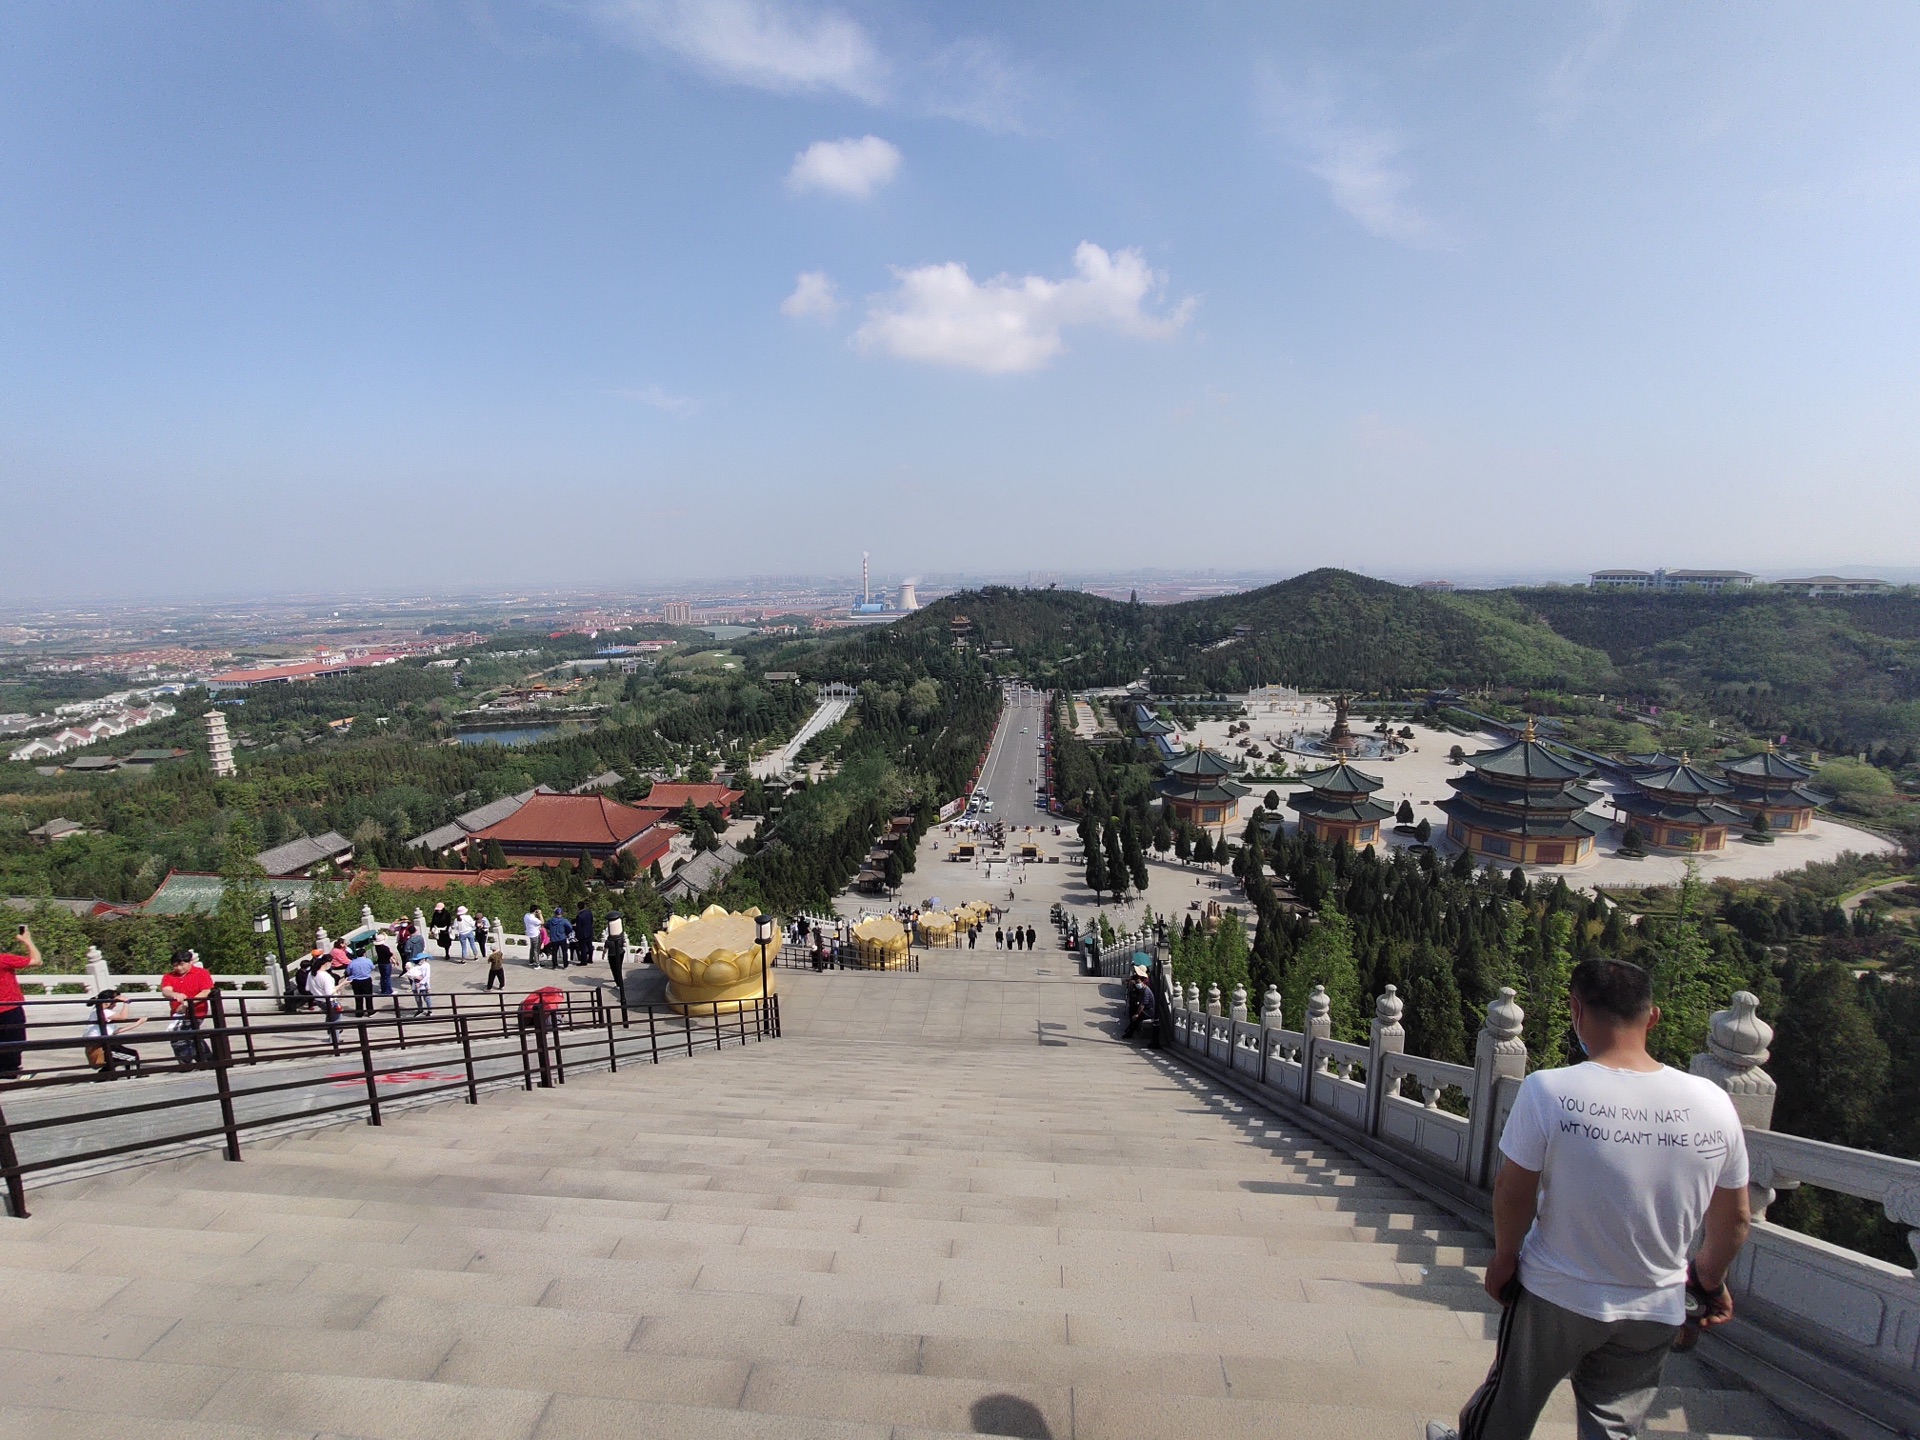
x: 559, y: 939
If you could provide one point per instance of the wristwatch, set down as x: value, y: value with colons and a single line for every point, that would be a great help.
x: 1700, y: 1299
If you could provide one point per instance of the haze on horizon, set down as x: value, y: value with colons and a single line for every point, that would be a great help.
x: 613, y: 292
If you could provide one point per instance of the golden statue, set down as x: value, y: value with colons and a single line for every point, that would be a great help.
x: 882, y: 943
x: 710, y: 959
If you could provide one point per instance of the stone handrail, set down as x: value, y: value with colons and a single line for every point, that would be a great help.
x: 1824, y: 1319
x: 1782, y: 1162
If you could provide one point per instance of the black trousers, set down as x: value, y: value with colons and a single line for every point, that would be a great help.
x: 362, y: 997
x: 13, y: 1034
x: 496, y: 977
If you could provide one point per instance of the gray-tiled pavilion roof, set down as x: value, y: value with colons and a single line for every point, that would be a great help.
x: 303, y: 854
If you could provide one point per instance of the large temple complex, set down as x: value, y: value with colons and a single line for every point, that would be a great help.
x: 1533, y: 802
x: 1770, y: 784
x: 1200, y: 788
x: 1677, y: 805
x: 1338, y: 804
x: 1523, y: 804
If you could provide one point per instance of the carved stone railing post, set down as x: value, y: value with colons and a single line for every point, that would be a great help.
x: 1737, y: 1041
x: 1270, y: 1011
x: 276, y: 978
x: 1499, y: 1054
x: 1193, y: 996
x: 1213, y: 1001
x: 321, y: 940
x: 97, y: 974
x: 1239, y: 1009
x: 367, y: 922
x: 1316, y: 1027
x: 1387, y: 1037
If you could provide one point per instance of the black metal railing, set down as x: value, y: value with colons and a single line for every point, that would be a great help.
x: 57, y: 1122
x: 794, y: 955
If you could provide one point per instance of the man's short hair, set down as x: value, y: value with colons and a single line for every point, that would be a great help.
x: 1616, y: 988
x: 181, y: 957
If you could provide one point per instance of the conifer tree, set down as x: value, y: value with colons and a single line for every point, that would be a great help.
x: 1434, y: 1023
x: 1118, y: 877
x: 1135, y: 856
x: 1096, y: 874
x: 1546, y: 992
x: 1327, y: 959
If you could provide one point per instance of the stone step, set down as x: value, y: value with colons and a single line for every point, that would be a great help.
x: 817, y: 1238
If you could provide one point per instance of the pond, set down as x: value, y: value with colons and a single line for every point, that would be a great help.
x: 514, y: 735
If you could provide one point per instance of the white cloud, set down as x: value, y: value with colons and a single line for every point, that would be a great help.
x: 764, y: 44
x: 814, y: 298
x: 661, y: 399
x: 973, y: 80
x: 845, y: 167
x: 1361, y: 166
x: 941, y: 315
x: 1565, y: 92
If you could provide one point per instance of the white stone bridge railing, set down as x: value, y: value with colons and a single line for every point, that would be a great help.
x: 1830, y: 1332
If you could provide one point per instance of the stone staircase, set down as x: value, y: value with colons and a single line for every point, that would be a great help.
x: 1026, y: 1229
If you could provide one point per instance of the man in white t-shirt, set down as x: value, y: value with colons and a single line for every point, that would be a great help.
x: 1612, y: 1168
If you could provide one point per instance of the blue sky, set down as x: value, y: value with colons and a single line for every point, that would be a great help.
x: 330, y: 293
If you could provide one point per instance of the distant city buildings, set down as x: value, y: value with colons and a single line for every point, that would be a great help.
x: 1817, y: 585
x: 1712, y: 581
x: 302, y: 670
x: 677, y: 612
x: 89, y: 732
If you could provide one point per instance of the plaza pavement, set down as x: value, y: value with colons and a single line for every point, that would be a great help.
x: 1420, y: 777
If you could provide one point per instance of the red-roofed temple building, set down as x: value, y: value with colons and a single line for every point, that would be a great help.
x: 670, y: 796
x: 554, y: 829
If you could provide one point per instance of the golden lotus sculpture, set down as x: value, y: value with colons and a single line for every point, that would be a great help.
x: 882, y: 943
x: 936, y: 927
x: 710, y: 959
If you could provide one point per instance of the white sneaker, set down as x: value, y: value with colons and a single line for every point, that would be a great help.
x: 1440, y: 1430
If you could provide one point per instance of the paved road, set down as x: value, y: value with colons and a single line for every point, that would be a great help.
x: 1014, y: 767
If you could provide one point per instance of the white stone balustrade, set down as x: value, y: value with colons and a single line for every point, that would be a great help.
x: 1844, y: 1323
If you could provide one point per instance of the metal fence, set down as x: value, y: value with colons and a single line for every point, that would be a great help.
x: 238, y: 1071
x: 798, y: 955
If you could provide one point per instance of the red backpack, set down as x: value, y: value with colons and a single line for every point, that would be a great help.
x: 539, y: 1004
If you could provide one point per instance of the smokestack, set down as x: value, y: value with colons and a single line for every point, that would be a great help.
x: 866, y: 590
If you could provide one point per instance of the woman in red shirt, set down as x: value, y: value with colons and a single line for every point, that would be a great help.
x: 13, y: 1005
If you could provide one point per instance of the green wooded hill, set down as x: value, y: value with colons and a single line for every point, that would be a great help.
x: 1323, y: 629
x: 1842, y: 673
